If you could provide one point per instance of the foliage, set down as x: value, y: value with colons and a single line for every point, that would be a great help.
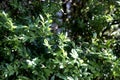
x: 86, y: 48
x: 88, y: 16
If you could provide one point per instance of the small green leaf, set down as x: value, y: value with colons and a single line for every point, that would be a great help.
x: 74, y: 54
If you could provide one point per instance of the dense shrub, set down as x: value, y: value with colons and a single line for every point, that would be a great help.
x: 83, y: 45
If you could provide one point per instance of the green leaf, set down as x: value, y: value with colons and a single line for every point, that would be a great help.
x: 74, y: 54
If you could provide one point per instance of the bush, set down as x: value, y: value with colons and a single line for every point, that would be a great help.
x: 30, y: 49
